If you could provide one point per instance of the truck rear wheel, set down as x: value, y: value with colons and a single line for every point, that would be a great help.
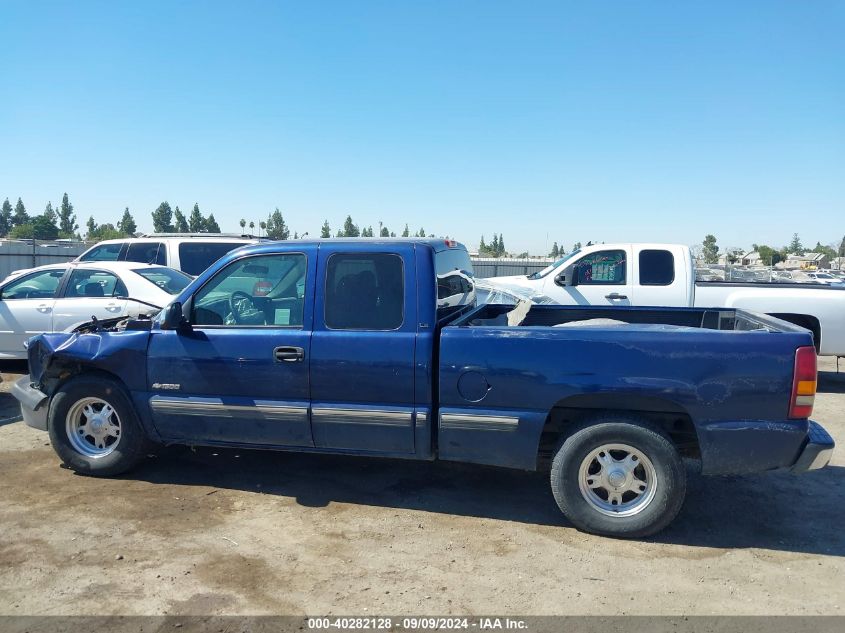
x: 618, y: 476
x: 93, y: 427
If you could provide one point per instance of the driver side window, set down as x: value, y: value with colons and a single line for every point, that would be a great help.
x: 262, y: 291
x: 40, y: 285
x: 602, y: 268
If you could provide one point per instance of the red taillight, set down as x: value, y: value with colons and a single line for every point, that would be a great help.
x: 450, y: 243
x: 803, y: 383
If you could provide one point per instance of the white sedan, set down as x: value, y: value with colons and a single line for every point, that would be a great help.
x: 59, y: 297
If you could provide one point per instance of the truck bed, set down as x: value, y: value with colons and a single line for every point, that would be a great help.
x: 716, y: 376
x: 724, y: 319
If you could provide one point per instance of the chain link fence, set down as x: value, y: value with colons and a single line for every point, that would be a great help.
x: 507, y: 266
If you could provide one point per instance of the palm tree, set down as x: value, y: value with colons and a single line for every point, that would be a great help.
x: 262, y: 226
x: 251, y: 228
x: 243, y: 224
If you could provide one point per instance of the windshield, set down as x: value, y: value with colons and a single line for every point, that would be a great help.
x: 171, y: 281
x: 542, y: 273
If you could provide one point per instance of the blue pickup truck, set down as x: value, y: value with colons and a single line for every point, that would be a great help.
x: 378, y: 348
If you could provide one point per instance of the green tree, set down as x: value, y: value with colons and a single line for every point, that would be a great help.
x: 795, y: 245
x: 494, y: 247
x: 406, y: 232
x: 211, y: 225
x: 243, y: 225
x: 502, y: 250
x: 67, y: 218
x: 44, y: 226
x: 482, y: 247
x: 828, y: 251
x: 252, y: 228
x: 768, y: 255
x: 384, y: 232
x: 576, y: 246
x: 162, y: 218
x: 420, y: 233
x: 20, y: 216
x: 181, y: 221
x: 91, y: 227
x: 262, y: 227
x: 555, y: 252
x: 710, y: 250
x: 6, y: 218
x: 127, y: 225
x: 196, y: 223
x: 350, y: 229
x: 277, y: 229
x: 326, y: 231
x: 841, y: 244
x: 50, y: 213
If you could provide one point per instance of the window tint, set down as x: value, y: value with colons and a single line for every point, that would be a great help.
x: 104, y: 253
x: 364, y: 291
x: 195, y: 257
x: 657, y: 268
x: 602, y: 268
x: 94, y: 283
x: 254, y: 292
x: 39, y: 285
x: 169, y: 280
x: 147, y: 253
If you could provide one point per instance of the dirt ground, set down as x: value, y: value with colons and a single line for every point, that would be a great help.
x: 247, y: 532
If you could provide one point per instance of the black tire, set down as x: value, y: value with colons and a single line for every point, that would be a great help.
x: 128, y: 449
x: 649, y: 440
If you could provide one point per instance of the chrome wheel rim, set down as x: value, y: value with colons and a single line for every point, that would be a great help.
x: 617, y: 480
x: 93, y: 427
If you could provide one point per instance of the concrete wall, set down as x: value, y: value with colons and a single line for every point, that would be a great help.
x: 15, y: 255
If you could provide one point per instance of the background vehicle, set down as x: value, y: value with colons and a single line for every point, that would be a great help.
x: 191, y: 253
x: 664, y: 275
x: 58, y: 297
x: 375, y: 347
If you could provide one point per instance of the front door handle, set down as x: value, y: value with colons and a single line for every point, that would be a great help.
x: 113, y: 307
x: 615, y: 295
x: 289, y: 354
x: 44, y: 308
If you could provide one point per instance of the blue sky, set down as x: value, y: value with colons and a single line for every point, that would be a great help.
x: 604, y: 121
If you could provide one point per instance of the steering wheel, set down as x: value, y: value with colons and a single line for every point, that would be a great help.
x: 241, y: 305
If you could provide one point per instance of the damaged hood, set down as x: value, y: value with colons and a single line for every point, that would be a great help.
x: 111, y: 351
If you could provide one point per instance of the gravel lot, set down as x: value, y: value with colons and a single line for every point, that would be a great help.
x: 248, y: 532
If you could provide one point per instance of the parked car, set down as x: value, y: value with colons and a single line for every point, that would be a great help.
x: 57, y: 297
x: 664, y: 275
x: 191, y: 253
x: 362, y: 347
x: 824, y: 278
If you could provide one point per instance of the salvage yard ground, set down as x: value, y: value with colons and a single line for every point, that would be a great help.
x: 248, y: 532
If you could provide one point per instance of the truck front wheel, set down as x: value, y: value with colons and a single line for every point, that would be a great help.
x: 618, y: 476
x: 93, y: 427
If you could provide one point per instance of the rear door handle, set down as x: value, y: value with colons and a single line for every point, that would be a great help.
x: 289, y: 354
x: 113, y: 307
x: 44, y: 308
x: 615, y: 295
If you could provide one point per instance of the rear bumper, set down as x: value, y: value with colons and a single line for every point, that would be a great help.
x: 816, y: 452
x: 34, y: 403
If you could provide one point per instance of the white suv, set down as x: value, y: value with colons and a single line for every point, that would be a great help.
x: 191, y: 253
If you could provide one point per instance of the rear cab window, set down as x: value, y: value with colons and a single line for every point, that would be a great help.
x: 195, y: 257
x: 657, y: 267
x: 455, y: 281
x: 365, y: 291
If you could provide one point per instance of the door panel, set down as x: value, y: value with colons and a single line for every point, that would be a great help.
x: 362, y: 362
x: 241, y: 373
x: 26, y: 309
x: 604, y: 278
x: 69, y: 312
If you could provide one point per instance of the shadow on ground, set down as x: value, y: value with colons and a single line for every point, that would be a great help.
x: 776, y: 511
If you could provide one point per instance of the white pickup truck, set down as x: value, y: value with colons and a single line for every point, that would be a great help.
x: 664, y: 275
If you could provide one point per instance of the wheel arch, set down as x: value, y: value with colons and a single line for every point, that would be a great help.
x: 806, y: 321
x: 568, y: 413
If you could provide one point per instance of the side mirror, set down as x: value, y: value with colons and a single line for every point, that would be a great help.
x: 560, y: 279
x: 173, y: 317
